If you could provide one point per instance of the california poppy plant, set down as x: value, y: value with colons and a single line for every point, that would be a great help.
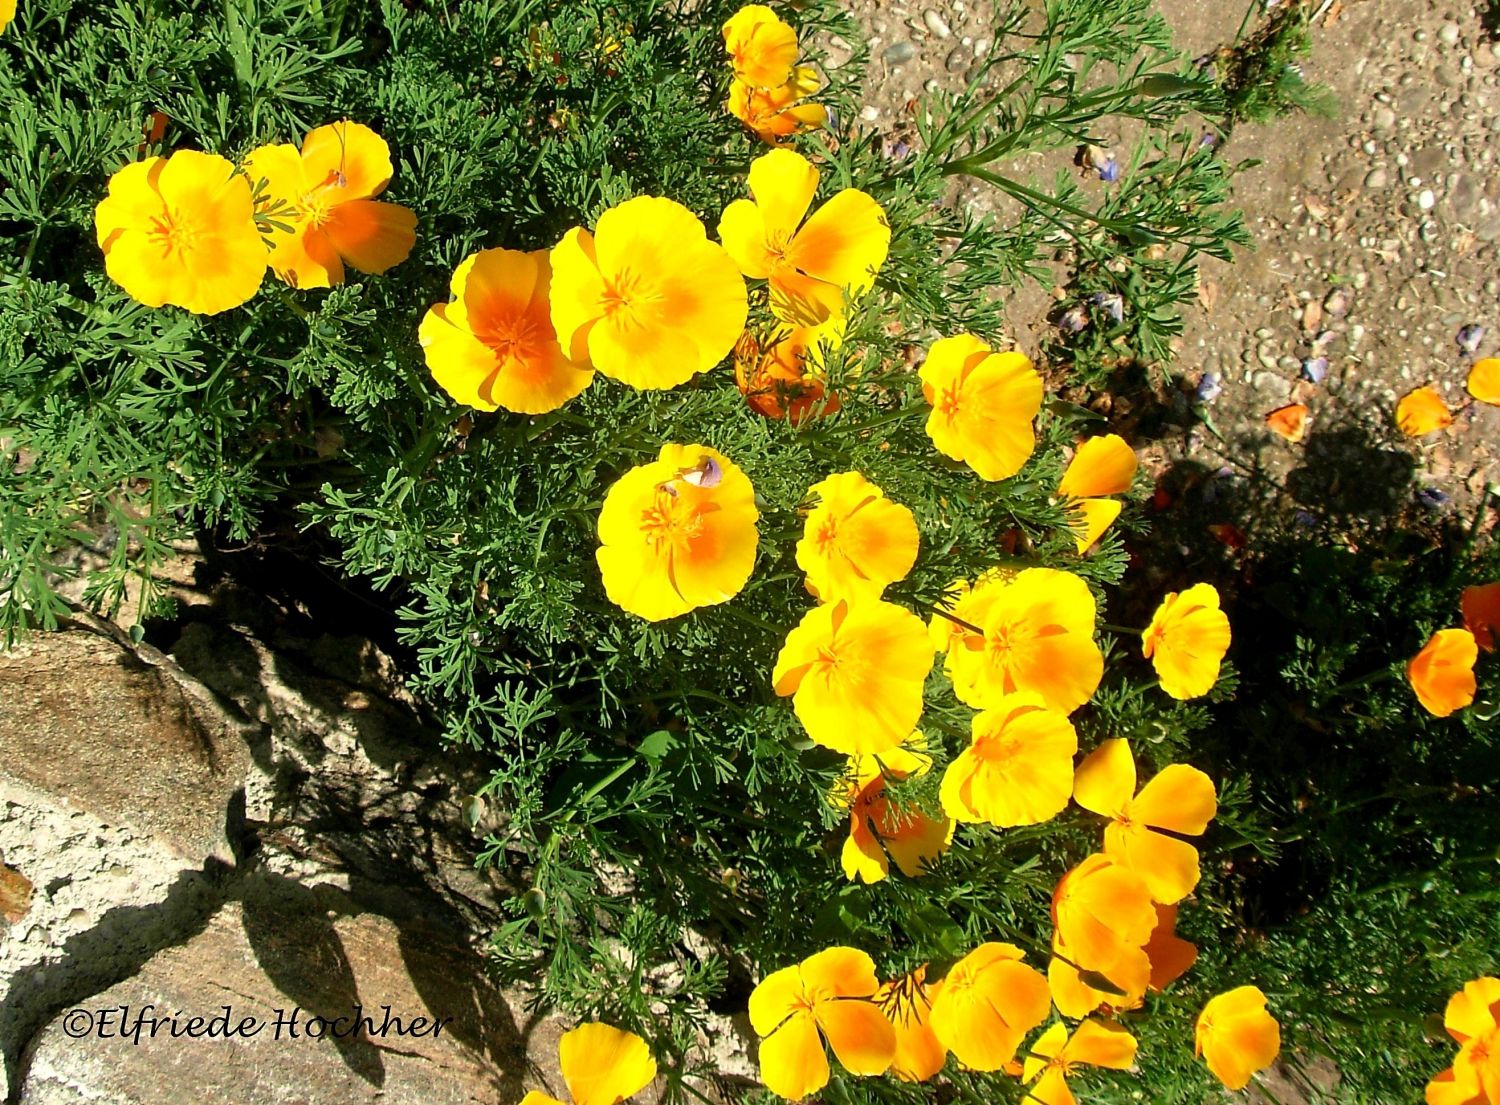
x: 646, y: 297
x: 181, y: 230
x: 678, y: 533
x: 1037, y: 635
x: 988, y: 1002
x: 762, y: 49
x: 601, y: 1065
x: 983, y: 405
x: 879, y: 832
x: 1180, y: 800
x: 827, y: 997
x: 1237, y: 1036
x: 493, y: 346
x: 1472, y: 1018
x: 1186, y: 641
x: 855, y: 672
x: 1102, y: 466
x: 1422, y: 411
x: 811, y: 262
x: 775, y: 114
x: 325, y: 194
x: 855, y: 541
x: 1017, y: 770
x: 785, y: 378
x: 1480, y: 606
x: 1484, y: 381
x: 1056, y: 1054
x: 1442, y: 674
x: 907, y: 1004
x: 1099, y: 909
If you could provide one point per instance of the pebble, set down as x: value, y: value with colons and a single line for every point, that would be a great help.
x: 936, y: 23
x: 957, y: 58
x: 897, y: 53
x: 1449, y: 34
x: 1426, y: 199
x: 869, y: 113
x: 1384, y: 119
x: 1376, y: 179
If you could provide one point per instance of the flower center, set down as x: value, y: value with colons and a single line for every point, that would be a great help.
x: 669, y: 522
x: 173, y: 232
x: 512, y: 337
x: 947, y: 403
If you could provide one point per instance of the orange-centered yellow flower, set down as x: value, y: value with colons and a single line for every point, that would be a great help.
x: 907, y: 1004
x: 1237, y: 1036
x: 646, y: 297
x: 983, y: 404
x: 1055, y: 1055
x: 855, y: 672
x: 493, y: 346
x: 879, y: 832
x: 855, y: 541
x: 1037, y: 634
x: 601, y: 1065
x: 1484, y: 381
x: 1017, y: 770
x: 762, y: 49
x: 810, y: 265
x: 786, y: 380
x: 988, y: 1002
x: 1180, y: 799
x: 1102, y: 466
x: 1480, y: 606
x: 1473, y: 1019
x: 1100, y: 909
x: 1442, y: 674
x: 1422, y: 411
x: 181, y: 230
x: 326, y: 195
x: 678, y: 533
x: 1186, y: 641
x: 775, y: 114
x: 828, y: 996
x: 7, y: 13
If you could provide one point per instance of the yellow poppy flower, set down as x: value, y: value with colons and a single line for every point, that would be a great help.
x: 1186, y: 641
x: 1056, y: 1054
x: 907, y: 1004
x: 1038, y: 636
x: 785, y: 380
x: 855, y: 541
x: 1484, y: 381
x: 809, y: 265
x: 828, y: 996
x: 1480, y: 606
x: 493, y: 346
x: 879, y: 832
x: 988, y: 1002
x: 1421, y: 411
x: 1127, y: 977
x: 1170, y: 954
x: 678, y: 533
x: 1442, y: 674
x: 1473, y: 1019
x: 1100, y: 908
x: 646, y: 297
x: 1237, y: 1036
x: 7, y: 13
x: 775, y: 114
x: 762, y: 49
x: 181, y: 230
x: 855, y: 672
x: 1180, y: 799
x: 1091, y: 517
x: 601, y: 1065
x: 1101, y: 466
x: 327, y: 196
x: 983, y: 404
x: 1018, y: 769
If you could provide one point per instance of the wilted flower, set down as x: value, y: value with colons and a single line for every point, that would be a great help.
x: 1074, y: 320
x: 1469, y: 337
x: 601, y: 1065
x: 1289, y: 422
x: 1210, y: 387
x: 983, y: 404
x: 1442, y: 674
x: 855, y: 541
x: 1110, y: 171
x: 988, y: 1002
x: 1314, y: 369
x: 1112, y: 304
x: 1237, y: 1036
x: 785, y: 379
x: 1421, y: 411
x: 879, y: 832
x: 1484, y: 381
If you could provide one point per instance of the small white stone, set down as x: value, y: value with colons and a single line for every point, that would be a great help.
x: 1426, y: 200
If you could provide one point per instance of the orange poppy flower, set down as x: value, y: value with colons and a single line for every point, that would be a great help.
x: 1186, y: 641
x: 1481, y: 610
x: 878, y: 831
x: 1127, y: 979
x: 1171, y: 956
x: 1484, y: 381
x: 678, y: 533
x: 646, y: 297
x: 1101, y: 466
x: 1056, y: 1054
x: 983, y: 404
x: 1422, y: 411
x: 1442, y: 674
x: 1018, y: 769
x: 809, y: 265
x: 1038, y: 636
x: 1237, y: 1036
x: 855, y: 671
x: 828, y: 996
x: 988, y: 1002
x: 907, y: 1004
x: 775, y: 114
x: 1180, y: 799
x: 785, y: 380
x: 1473, y: 1019
x: 601, y: 1065
x: 493, y: 346
x: 181, y: 230
x: 1100, y: 908
x: 762, y: 49
x: 1289, y: 422
x: 326, y: 193
x: 855, y: 541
